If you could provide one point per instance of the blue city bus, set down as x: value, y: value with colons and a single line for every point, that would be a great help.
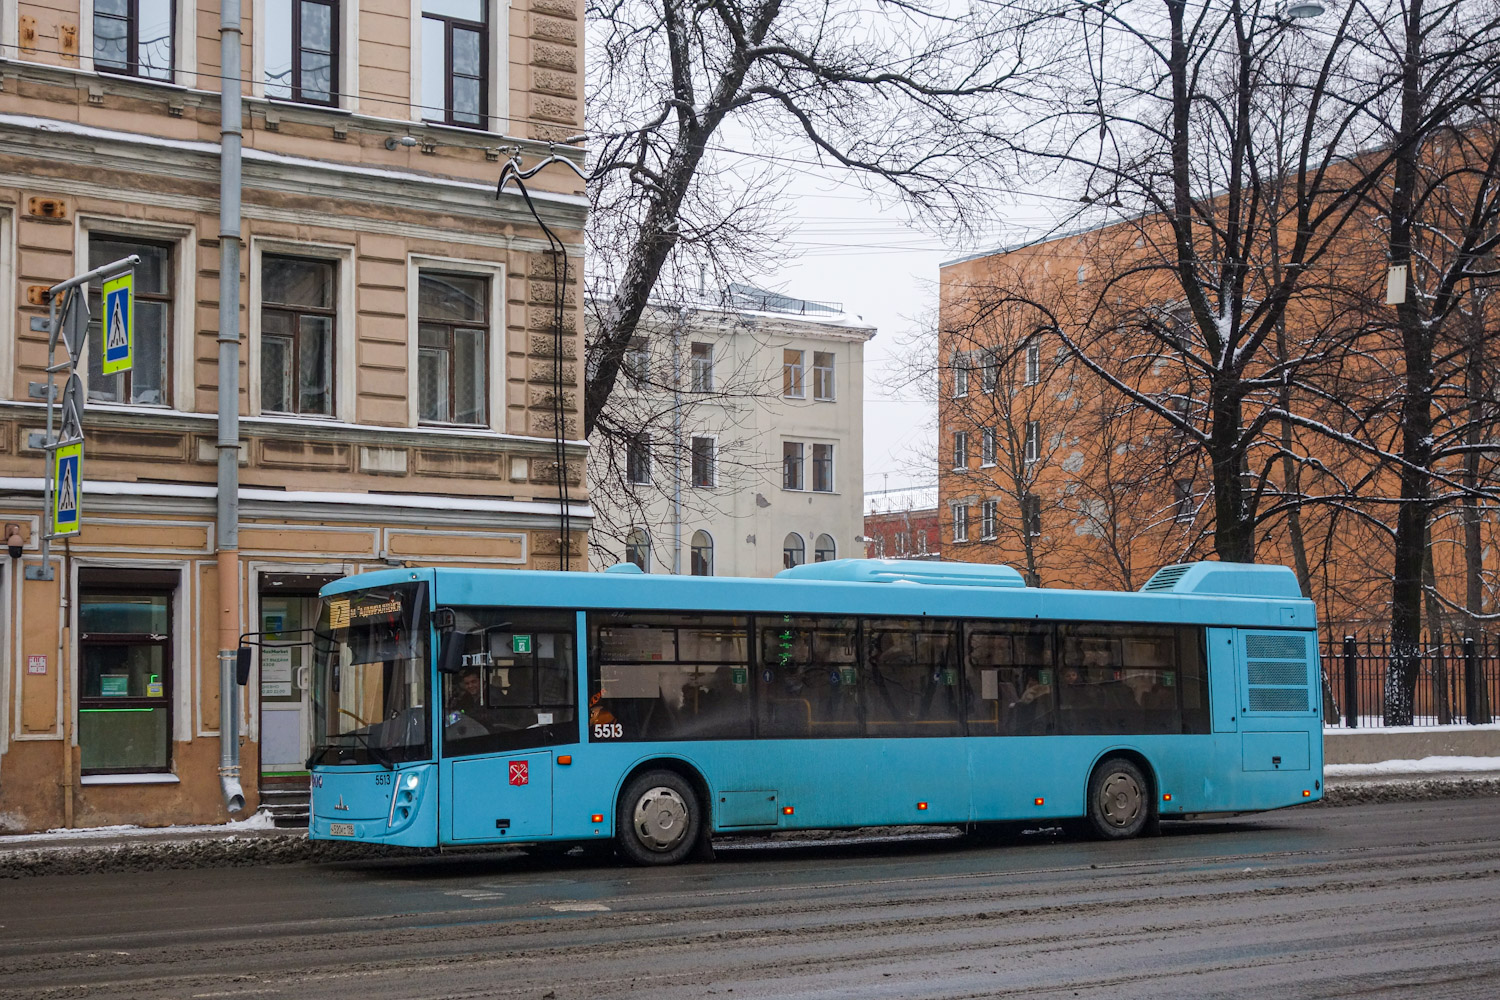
x: 467, y: 707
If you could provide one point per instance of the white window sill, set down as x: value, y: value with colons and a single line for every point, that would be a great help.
x: 149, y: 778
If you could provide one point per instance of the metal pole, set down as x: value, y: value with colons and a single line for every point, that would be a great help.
x: 1351, y: 683
x: 228, y: 512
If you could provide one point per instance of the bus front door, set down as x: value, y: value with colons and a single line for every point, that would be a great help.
x: 507, y: 797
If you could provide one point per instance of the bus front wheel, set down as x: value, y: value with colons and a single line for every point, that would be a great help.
x: 660, y: 819
x: 1119, y: 800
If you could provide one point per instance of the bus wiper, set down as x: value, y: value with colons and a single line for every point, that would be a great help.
x: 378, y: 755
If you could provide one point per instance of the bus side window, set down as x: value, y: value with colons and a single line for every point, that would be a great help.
x: 1009, y: 680
x: 910, y: 677
x: 809, y: 683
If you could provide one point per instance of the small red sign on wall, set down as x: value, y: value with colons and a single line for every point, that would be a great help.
x: 518, y: 774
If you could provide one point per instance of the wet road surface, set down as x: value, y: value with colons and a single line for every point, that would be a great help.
x: 1396, y: 900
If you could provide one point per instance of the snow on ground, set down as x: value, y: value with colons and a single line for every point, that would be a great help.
x: 1427, y: 765
x: 1372, y: 724
x: 259, y: 821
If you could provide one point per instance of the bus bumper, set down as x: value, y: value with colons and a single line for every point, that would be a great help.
x: 373, y: 805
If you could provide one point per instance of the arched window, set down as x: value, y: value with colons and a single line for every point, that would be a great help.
x: 703, y: 554
x: 638, y: 549
x: 823, y: 549
x: 793, y: 551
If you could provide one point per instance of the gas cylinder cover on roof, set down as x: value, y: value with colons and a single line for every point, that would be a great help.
x: 1224, y: 579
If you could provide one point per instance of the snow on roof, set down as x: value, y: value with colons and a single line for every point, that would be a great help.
x: 909, y: 498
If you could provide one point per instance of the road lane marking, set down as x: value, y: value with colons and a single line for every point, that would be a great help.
x: 580, y: 907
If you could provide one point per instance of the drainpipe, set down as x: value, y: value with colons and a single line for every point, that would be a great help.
x: 228, y: 514
x: 677, y: 441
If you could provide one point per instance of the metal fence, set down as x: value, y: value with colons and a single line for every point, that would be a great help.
x: 1458, y: 681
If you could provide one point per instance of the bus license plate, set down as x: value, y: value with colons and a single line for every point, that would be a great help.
x: 341, y: 829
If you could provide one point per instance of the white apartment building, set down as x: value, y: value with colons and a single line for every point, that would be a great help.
x: 748, y: 457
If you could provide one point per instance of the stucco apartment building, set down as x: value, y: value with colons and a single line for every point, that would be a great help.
x: 1045, y: 468
x: 397, y: 351
x: 762, y: 466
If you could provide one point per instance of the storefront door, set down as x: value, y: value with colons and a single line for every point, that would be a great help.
x: 288, y: 610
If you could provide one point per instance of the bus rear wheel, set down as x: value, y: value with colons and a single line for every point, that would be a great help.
x: 1119, y: 800
x: 660, y: 820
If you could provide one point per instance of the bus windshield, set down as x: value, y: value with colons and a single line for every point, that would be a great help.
x: 370, y: 677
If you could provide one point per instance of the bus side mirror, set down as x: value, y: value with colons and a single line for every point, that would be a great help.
x: 242, y: 666
x: 451, y: 652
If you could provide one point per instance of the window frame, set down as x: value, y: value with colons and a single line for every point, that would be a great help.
x: 701, y: 367
x: 819, y: 550
x: 989, y: 511
x: 1033, y: 361
x: 1031, y: 515
x: 960, y: 451
x: 793, y: 461
x: 960, y: 374
x: 89, y: 15
x: 989, y: 447
x: 169, y: 328
x: 823, y: 386
x: 638, y: 543
x: 711, y: 457
x: 1184, y: 510
x: 818, y: 463
x: 416, y: 263
x: 297, y: 312
x: 960, y: 517
x: 787, y: 550
x: 695, y: 559
x: 793, y: 374
x: 638, y: 460
x: 1033, y: 441
x: 486, y: 75
x: 344, y: 347
x: 336, y: 82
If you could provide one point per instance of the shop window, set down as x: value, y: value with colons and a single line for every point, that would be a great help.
x: 125, y: 674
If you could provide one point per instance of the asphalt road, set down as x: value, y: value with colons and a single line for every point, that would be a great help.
x: 1395, y: 900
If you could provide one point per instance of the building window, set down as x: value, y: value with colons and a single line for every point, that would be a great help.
x: 824, y: 549
x: 702, y: 554
x: 1031, y: 514
x: 455, y: 62
x: 452, y: 361
x: 302, y: 50
x: 903, y: 542
x: 823, y: 375
x: 1033, y: 361
x: 987, y: 519
x: 1033, y: 440
x: 960, y: 449
x: 792, y: 385
x: 989, y: 374
x: 960, y: 374
x: 638, y: 549
x: 297, y: 324
x: 1183, y: 510
x: 960, y: 523
x: 822, y: 468
x: 987, y: 446
x: 791, y: 465
x: 638, y: 459
x: 135, y: 37
x: 793, y: 552
x: 703, y: 368
x: 125, y: 678
x: 637, y: 358
x: 146, y: 381
x: 704, y: 473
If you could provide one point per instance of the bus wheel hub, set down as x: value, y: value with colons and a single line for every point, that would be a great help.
x: 1121, y: 799
x: 661, y: 818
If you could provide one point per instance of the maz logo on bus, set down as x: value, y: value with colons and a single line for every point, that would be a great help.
x: 608, y: 730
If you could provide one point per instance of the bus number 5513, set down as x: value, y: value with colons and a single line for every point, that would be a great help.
x: 608, y: 731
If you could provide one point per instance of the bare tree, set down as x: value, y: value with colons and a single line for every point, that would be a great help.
x: 903, y: 95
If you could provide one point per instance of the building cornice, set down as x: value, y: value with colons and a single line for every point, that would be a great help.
x: 196, y: 161
x: 304, y: 429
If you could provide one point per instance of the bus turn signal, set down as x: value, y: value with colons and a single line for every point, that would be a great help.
x: 565, y: 759
x: 597, y: 818
x: 921, y: 806
x: 1041, y: 801
x: 786, y: 810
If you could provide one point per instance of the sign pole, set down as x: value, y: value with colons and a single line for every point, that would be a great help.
x: 68, y: 320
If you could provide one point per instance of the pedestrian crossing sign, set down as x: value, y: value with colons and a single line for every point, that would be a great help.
x: 67, y: 491
x: 119, y: 323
